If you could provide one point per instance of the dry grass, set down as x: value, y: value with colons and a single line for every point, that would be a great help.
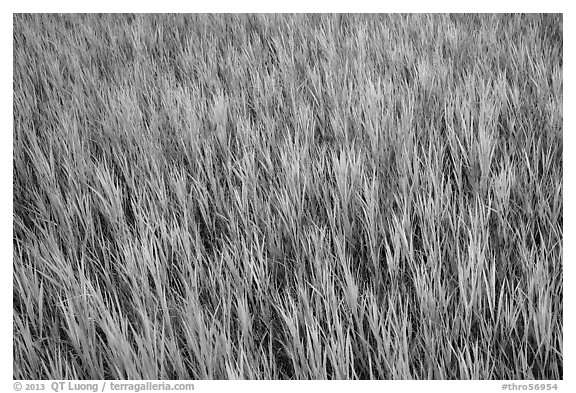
x: 295, y: 196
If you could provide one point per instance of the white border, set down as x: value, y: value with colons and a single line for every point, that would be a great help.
x: 308, y: 6
x: 569, y: 195
x: 6, y: 272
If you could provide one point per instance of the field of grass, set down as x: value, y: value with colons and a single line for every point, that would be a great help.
x: 287, y: 197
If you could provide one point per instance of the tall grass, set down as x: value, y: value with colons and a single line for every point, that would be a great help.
x: 287, y: 196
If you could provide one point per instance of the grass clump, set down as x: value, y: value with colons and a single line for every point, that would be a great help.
x: 287, y: 196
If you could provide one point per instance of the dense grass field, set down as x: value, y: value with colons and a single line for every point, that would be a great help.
x: 287, y: 197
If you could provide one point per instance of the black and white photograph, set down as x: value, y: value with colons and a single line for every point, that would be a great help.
x: 287, y: 196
